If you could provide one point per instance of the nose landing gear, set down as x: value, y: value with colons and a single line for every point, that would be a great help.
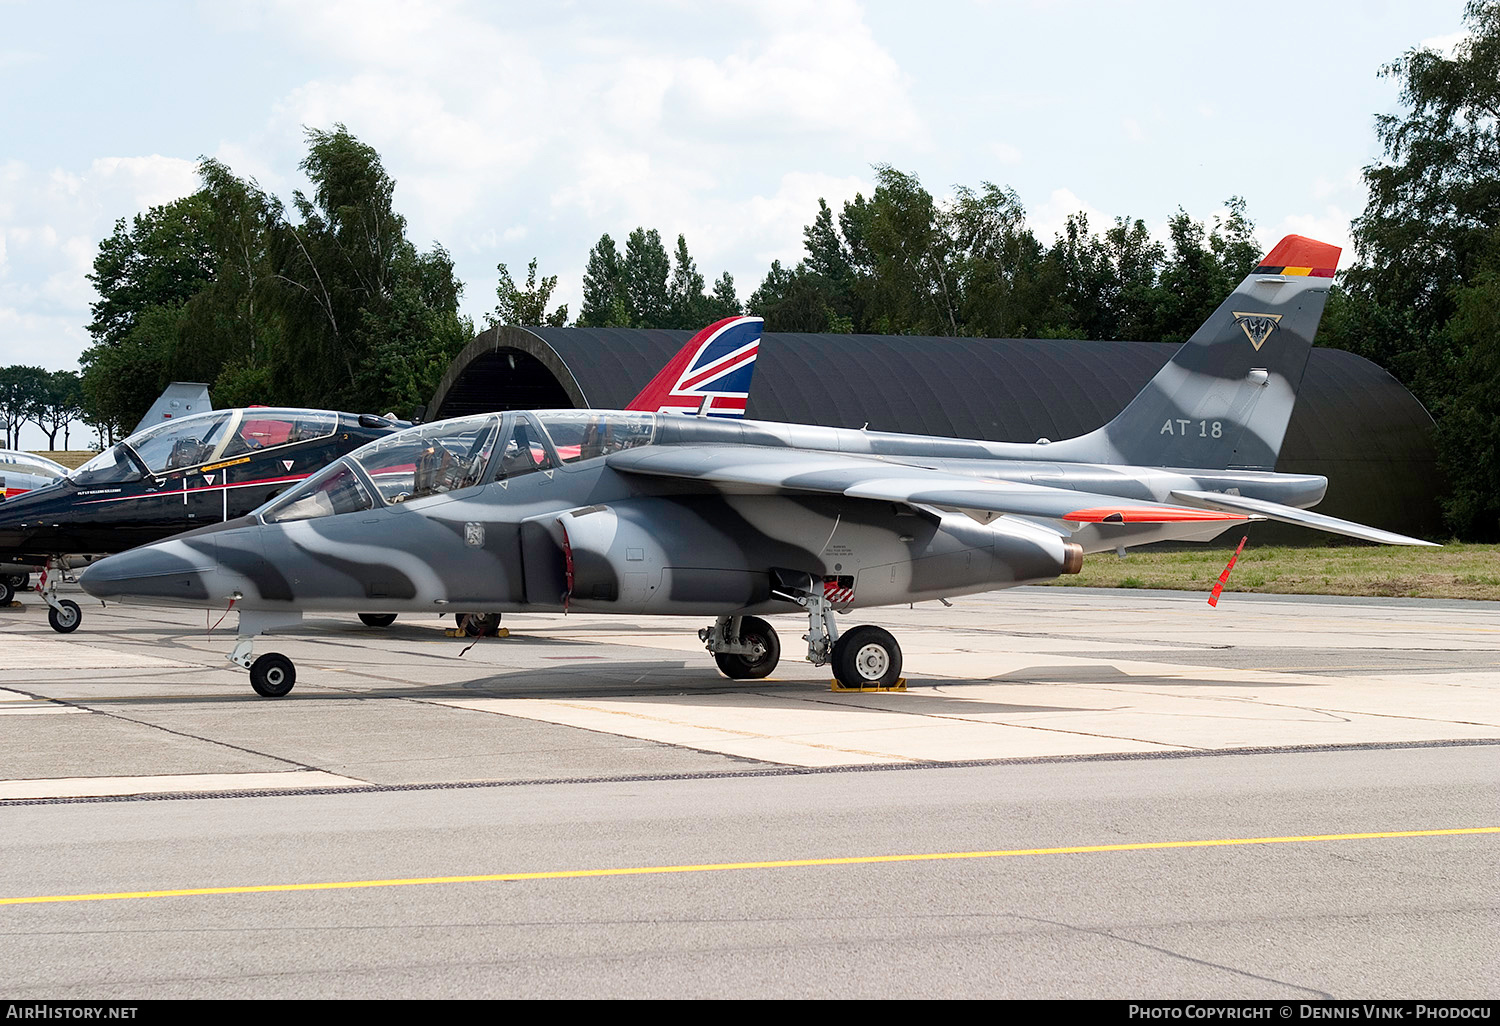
x: 63, y: 615
x: 273, y: 674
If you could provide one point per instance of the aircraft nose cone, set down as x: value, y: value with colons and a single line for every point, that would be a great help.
x: 150, y: 573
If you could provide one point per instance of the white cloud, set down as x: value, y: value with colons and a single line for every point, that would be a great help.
x: 1445, y: 44
x: 1005, y: 153
x: 51, y: 222
x: 1330, y: 225
x: 1048, y: 219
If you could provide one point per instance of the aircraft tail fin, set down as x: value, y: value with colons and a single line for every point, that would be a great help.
x: 1226, y: 397
x: 710, y: 375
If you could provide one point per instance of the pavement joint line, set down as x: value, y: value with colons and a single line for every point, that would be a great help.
x: 765, y: 770
x: 853, y: 860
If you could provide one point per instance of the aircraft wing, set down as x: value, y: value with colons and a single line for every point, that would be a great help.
x: 1293, y: 515
x: 758, y: 470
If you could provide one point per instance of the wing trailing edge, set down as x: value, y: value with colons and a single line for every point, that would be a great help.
x: 1293, y: 515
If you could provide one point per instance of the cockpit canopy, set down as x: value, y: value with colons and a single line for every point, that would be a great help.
x: 453, y: 455
x: 26, y: 463
x: 204, y: 438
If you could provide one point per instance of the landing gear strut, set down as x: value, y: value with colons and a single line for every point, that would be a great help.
x: 273, y: 674
x: 746, y: 647
x: 63, y: 614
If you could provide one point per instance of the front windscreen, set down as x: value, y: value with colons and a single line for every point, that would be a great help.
x: 582, y: 435
x: 112, y: 466
x: 430, y: 460
x: 336, y: 489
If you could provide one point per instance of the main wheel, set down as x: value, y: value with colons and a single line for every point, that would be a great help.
x: 7, y: 592
x: 742, y: 667
x: 272, y: 675
x: 20, y: 582
x: 867, y: 657
x: 65, y: 616
x: 478, y: 625
x: 378, y: 619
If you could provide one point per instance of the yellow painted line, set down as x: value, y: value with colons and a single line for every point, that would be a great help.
x: 574, y: 874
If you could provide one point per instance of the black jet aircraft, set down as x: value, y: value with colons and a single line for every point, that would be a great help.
x: 174, y: 476
x: 651, y: 512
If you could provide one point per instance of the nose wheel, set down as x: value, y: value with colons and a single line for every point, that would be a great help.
x: 272, y: 675
x: 377, y: 619
x: 63, y: 615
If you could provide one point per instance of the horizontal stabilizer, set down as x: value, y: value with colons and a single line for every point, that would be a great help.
x: 1293, y: 515
x: 754, y: 470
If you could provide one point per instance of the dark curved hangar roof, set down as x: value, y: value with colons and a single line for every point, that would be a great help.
x: 1354, y: 423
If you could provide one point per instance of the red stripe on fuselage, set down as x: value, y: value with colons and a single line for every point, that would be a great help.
x: 200, y: 488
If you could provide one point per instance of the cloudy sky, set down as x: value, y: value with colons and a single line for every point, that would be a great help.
x: 522, y: 130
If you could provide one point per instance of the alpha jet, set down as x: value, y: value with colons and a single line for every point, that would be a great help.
x: 640, y: 512
x: 174, y: 476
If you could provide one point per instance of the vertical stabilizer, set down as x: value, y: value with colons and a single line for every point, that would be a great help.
x: 1226, y: 397
x: 710, y: 375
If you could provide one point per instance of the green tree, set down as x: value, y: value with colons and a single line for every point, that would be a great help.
x: 145, y: 273
x: 1469, y: 433
x: 687, y: 305
x: 1412, y: 302
x: 348, y: 275
x: 1206, y: 264
x: 645, y: 271
x: 723, y: 302
x: 233, y: 320
x: 23, y: 394
x: 60, y: 404
x: 604, y: 303
x: 529, y: 305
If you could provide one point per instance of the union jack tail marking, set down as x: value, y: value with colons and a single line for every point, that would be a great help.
x: 708, y: 376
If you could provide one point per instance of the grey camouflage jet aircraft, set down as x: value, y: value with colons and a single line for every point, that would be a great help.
x: 642, y: 512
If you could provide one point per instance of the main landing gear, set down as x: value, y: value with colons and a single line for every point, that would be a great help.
x: 378, y: 619
x: 747, y: 648
x: 478, y: 625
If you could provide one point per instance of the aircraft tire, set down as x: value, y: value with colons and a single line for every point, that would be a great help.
x: 740, y: 667
x: 272, y: 675
x: 7, y: 592
x: 478, y: 625
x: 377, y: 619
x: 20, y: 582
x: 867, y: 657
x: 65, y: 617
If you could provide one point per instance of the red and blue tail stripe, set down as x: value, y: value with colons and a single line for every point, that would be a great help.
x: 708, y: 376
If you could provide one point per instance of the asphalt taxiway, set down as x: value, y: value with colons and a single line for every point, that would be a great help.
x: 1081, y: 793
